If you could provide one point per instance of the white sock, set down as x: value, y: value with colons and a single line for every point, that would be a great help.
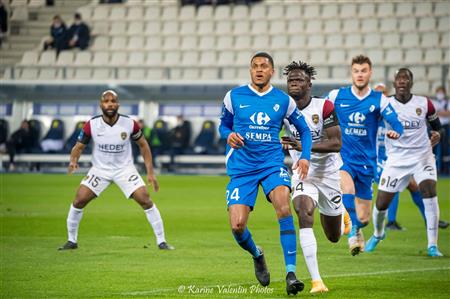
x: 432, y: 216
x: 309, y: 247
x: 342, y: 222
x: 155, y: 220
x: 73, y: 222
x: 378, y: 218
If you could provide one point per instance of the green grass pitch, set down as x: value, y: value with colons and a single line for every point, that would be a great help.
x: 111, y: 261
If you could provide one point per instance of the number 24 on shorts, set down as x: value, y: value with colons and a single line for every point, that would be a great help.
x: 234, y: 194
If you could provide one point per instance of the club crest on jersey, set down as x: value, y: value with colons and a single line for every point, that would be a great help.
x: 315, y: 118
x: 123, y: 135
x: 372, y: 108
x: 276, y: 107
x: 418, y: 111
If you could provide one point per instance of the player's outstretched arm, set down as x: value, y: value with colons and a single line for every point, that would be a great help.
x: 391, y: 117
x: 75, y: 156
x: 147, y: 155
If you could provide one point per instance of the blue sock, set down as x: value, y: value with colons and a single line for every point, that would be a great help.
x: 418, y: 200
x: 245, y: 240
x: 288, y: 242
x: 349, y: 204
x: 392, y: 210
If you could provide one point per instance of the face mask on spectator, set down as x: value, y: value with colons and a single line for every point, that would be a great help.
x: 440, y: 95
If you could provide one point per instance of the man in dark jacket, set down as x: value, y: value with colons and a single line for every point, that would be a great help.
x: 78, y: 34
x: 58, y: 32
x: 21, y: 141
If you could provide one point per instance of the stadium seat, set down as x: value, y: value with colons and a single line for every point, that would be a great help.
x: 100, y: 58
x: 171, y: 43
x: 30, y: 58
x: 205, y: 12
x: 378, y: 74
x: 376, y: 55
x: 332, y: 26
x: 354, y: 40
x: 391, y: 40
x: 260, y: 27
x: 100, y: 28
x: 311, y: 10
x: 83, y: 58
x: 204, y: 142
x: 82, y: 74
x: 208, y: 58
x: 330, y: 11
x: 351, y: 25
x: 334, y: 41
x: 153, y: 28
x: 241, y: 27
x: 348, y: 10
x: 369, y: 25
x: 188, y: 28
x: 136, y: 27
x: 210, y: 73
x: 228, y: 74
x: 404, y: 9
x: 205, y: 28
x: 223, y: 27
x: 431, y: 40
x: 48, y: 73
x: 243, y: 73
x: 410, y: 40
x: 318, y: 57
x: 299, y: 54
x: 119, y: 43
x: 100, y: 13
x: 385, y: 9
x: 29, y: 73
x: 323, y: 72
x: 441, y: 9
x: 53, y: 141
x: 275, y: 12
x: 257, y: 12
x: 413, y: 56
x: 170, y: 27
x: 281, y: 57
x: 277, y: 27
x: 118, y: 13
x: 243, y: 42
x: 101, y: 73
x: 314, y: 26
x: 189, y: 73
x: 427, y: 24
x: 189, y: 58
x: 135, y: 13
x: 433, y: 56
x: 187, y: 12
x: 421, y: 88
x: 316, y: 41
x: 340, y: 72
x: 152, y: 13
x: 136, y: 43
x: 135, y: 2
x: 243, y: 58
x: 240, y: 12
x: 47, y: 58
x: 172, y: 58
x: 372, y: 40
x: 419, y: 71
x: 388, y: 25
x: 207, y: 42
x: 225, y: 58
x: 295, y: 27
x: 189, y: 43
x: 393, y: 56
x: 154, y: 43
x: 100, y: 43
x: 407, y: 25
x: 434, y: 73
x: 423, y: 9
x: 445, y: 40
x: 260, y: 43
x: 279, y: 42
x: 119, y: 58
x: 366, y: 10
x: 222, y: 12
x: 337, y: 57
x: 155, y: 58
x: 293, y: 12
x: 443, y: 24
x: 169, y: 12
x: 86, y: 12
x: 137, y: 74
x: 225, y: 42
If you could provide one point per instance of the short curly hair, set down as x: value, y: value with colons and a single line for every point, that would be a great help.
x: 302, y: 66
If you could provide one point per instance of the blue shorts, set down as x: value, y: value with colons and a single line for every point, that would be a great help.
x: 244, y: 189
x: 362, y: 179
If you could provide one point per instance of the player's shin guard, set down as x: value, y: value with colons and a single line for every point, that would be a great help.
x: 245, y: 240
x: 73, y: 222
x: 378, y: 218
x: 288, y: 242
x: 349, y: 204
x: 432, y: 219
x: 417, y: 198
x: 309, y: 247
x: 155, y: 220
x: 393, y: 207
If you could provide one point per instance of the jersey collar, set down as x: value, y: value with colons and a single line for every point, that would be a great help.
x: 364, y: 96
x: 260, y: 93
x: 117, y: 119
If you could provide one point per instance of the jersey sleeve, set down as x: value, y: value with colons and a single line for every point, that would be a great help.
x: 85, y: 133
x: 137, y: 132
x: 332, y: 95
x: 226, y: 119
x: 329, y: 115
x: 389, y: 115
x: 296, y: 118
x: 432, y: 116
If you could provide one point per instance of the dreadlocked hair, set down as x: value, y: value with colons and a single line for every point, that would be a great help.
x: 302, y: 66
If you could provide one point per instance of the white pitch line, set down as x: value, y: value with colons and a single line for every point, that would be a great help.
x: 386, y: 272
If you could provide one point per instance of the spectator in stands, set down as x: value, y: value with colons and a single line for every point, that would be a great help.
x: 58, y: 31
x: 21, y: 141
x: 179, y: 138
x: 3, y: 22
x: 78, y: 34
x: 53, y: 142
x: 441, y: 103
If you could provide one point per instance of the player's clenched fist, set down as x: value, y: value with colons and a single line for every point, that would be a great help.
x: 435, y: 138
x: 302, y: 167
x: 235, y: 140
x: 392, y: 134
x: 72, y: 167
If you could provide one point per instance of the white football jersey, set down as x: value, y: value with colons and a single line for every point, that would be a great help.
x: 112, y: 146
x: 315, y: 113
x: 414, y: 144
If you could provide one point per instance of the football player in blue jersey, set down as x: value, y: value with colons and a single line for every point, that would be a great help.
x: 252, y: 117
x: 359, y: 109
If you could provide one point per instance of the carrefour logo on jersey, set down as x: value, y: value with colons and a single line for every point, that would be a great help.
x: 260, y: 118
x: 357, y: 117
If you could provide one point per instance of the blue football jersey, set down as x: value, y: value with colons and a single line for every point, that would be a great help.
x: 359, y: 118
x: 258, y: 118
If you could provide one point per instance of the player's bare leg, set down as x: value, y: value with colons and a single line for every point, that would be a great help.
x: 281, y: 202
x: 430, y: 202
x: 304, y: 207
x: 83, y: 197
x: 142, y: 197
x: 363, y: 209
x: 378, y: 217
x: 238, y: 216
